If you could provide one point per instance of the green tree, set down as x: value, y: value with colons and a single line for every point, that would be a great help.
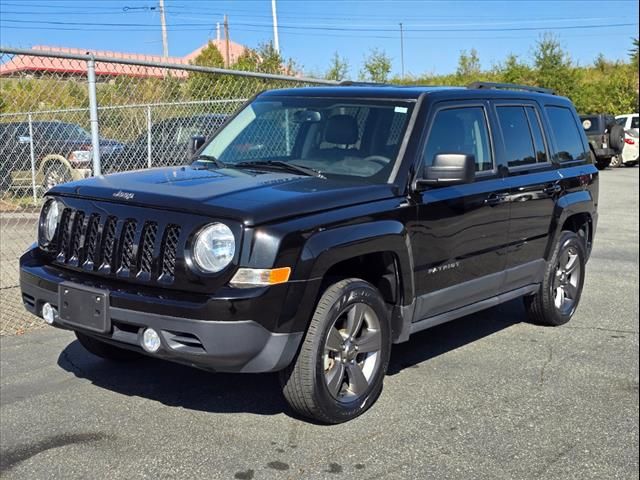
x: 633, y: 52
x: 468, y: 64
x: 553, y: 65
x: 514, y: 71
x: 338, y: 68
x: 204, y: 86
x: 376, y: 67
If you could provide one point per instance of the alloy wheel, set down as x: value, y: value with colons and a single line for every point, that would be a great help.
x: 352, y: 353
x: 567, y: 280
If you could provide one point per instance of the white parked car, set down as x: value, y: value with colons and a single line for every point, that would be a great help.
x: 629, y: 121
x: 629, y: 155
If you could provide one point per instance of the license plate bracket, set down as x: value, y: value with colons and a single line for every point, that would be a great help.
x: 84, y: 307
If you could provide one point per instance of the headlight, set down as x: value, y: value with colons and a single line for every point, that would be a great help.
x: 49, y: 219
x: 214, y: 247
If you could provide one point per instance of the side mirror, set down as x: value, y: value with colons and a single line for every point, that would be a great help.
x: 449, y: 169
x: 195, y: 143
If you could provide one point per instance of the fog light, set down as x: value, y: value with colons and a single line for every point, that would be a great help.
x: 150, y: 340
x: 49, y: 313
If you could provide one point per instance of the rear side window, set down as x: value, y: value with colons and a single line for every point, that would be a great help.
x: 516, y: 132
x: 590, y: 124
x: 460, y: 130
x: 536, y: 132
x: 635, y: 121
x: 566, y: 134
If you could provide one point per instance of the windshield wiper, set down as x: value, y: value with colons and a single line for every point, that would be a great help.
x: 279, y: 165
x: 211, y: 159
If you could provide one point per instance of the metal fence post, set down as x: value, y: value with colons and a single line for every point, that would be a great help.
x: 33, y: 160
x: 93, y: 115
x: 149, y: 123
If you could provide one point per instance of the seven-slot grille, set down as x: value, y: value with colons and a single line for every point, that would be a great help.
x: 125, y: 247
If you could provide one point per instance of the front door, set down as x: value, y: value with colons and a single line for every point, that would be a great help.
x: 460, y: 237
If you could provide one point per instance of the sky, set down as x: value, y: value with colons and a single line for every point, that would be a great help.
x: 435, y: 32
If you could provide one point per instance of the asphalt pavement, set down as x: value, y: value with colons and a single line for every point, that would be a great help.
x: 487, y: 396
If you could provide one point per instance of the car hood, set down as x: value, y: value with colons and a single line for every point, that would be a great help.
x: 244, y: 195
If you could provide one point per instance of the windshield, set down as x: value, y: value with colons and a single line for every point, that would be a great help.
x: 59, y: 130
x: 358, y: 140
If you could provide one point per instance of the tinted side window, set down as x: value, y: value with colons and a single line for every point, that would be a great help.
x: 536, y: 132
x: 517, y: 136
x: 566, y: 134
x: 460, y: 130
x: 635, y: 121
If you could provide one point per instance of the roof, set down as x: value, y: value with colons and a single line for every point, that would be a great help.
x: 29, y: 63
x: 412, y: 92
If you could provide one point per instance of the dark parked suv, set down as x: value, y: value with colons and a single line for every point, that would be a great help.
x: 166, y: 144
x: 606, y: 137
x: 320, y: 226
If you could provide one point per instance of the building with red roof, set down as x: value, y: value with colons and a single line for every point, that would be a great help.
x: 34, y: 65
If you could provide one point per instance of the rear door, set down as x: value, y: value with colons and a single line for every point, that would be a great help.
x: 459, y: 239
x: 534, y: 188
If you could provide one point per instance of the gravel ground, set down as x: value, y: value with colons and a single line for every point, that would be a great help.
x: 487, y: 396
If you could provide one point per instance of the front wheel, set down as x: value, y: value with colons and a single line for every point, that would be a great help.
x: 55, y: 174
x: 339, y: 370
x: 559, y: 295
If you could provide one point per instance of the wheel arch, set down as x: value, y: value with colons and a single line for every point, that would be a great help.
x: 575, y: 212
x: 378, y: 252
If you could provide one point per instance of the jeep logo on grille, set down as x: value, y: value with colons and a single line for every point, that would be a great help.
x: 124, y: 195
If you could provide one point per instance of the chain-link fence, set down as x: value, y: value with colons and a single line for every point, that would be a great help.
x: 65, y: 117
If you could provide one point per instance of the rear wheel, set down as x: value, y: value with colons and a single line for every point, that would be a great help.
x: 559, y: 295
x: 105, y: 350
x: 615, y: 162
x: 602, y: 164
x: 342, y: 362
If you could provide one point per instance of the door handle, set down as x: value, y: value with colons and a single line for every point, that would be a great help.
x: 553, y: 189
x: 496, y: 199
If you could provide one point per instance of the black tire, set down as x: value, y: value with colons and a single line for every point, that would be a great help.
x: 305, y: 382
x: 55, y: 174
x: 542, y: 307
x: 616, y: 137
x: 602, y: 164
x: 105, y: 350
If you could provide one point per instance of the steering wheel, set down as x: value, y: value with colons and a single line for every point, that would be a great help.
x: 384, y: 161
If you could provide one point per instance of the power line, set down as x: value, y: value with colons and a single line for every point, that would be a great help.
x: 328, y: 28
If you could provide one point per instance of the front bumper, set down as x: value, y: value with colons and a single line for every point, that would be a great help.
x: 242, y: 345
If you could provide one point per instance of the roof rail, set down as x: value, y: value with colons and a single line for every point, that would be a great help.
x: 510, y: 86
x: 353, y: 83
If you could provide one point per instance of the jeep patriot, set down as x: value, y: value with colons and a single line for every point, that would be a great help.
x: 318, y: 227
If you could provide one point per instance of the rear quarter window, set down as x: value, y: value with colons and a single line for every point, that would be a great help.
x: 635, y: 121
x: 567, y: 137
x: 590, y: 124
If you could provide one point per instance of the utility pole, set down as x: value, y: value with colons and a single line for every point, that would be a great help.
x: 401, y: 51
x: 227, y: 59
x: 274, y: 13
x: 163, y: 22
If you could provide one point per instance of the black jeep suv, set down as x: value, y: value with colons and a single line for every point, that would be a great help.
x: 320, y: 226
x: 606, y: 137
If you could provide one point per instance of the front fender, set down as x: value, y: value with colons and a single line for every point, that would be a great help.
x: 327, y: 248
